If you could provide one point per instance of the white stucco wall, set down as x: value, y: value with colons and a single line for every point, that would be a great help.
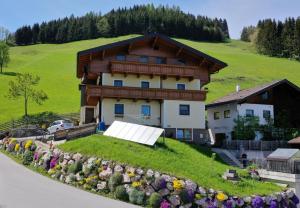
x: 222, y: 125
x: 171, y: 83
x: 132, y: 111
x: 258, y: 110
x: 172, y: 119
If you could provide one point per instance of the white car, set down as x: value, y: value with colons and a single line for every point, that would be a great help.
x: 59, y: 125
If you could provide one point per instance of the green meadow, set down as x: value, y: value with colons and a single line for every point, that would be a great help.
x: 56, y: 65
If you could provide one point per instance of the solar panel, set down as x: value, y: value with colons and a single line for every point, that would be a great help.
x: 134, y: 132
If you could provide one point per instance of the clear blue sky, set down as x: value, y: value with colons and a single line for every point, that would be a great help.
x: 15, y: 13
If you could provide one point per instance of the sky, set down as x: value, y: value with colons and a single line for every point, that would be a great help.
x: 238, y: 13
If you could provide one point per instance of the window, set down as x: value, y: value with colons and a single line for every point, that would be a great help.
x: 118, y: 83
x: 180, y: 86
x: 184, y: 134
x: 227, y: 114
x: 184, y: 110
x: 181, y: 61
x: 249, y: 112
x: 216, y: 115
x: 160, y: 60
x: 146, y: 110
x: 144, y: 59
x: 267, y: 114
x: 119, y: 109
x: 265, y: 96
x: 121, y: 57
x: 145, y: 84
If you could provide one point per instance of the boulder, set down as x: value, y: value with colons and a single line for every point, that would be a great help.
x: 126, y: 178
x: 166, y: 177
x: 190, y: 185
x: 174, y: 200
x: 77, y: 156
x: 70, y: 162
x: 102, y: 185
x: 170, y: 186
x: 156, y: 174
x: 164, y: 192
x: 150, y: 173
x: 105, y: 174
x: 140, y: 171
x: 149, y: 190
x: 118, y: 169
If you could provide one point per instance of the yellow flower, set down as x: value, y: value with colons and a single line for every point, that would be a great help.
x: 51, y: 171
x: 13, y: 140
x: 198, y: 196
x: 136, y: 184
x: 28, y: 144
x: 17, y: 147
x: 221, y: 196
x: 177, y: 184
x: 130, y: 174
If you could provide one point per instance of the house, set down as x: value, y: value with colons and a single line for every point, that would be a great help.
x: 277, y: 101
x: 150, y: 80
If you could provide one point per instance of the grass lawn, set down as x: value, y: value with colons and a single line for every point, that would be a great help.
x: 173, y: 157
x: 56, y: 65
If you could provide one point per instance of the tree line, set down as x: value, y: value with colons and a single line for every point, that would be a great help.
x: 123, y: 21
x: 275, y: 38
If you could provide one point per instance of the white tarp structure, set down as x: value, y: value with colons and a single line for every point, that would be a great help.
x: 134, y: 132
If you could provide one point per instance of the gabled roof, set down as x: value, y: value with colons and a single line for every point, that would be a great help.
x: 149, y: 36
x: 295, y: 140
x: 282, y: 154
x: 242, y: 95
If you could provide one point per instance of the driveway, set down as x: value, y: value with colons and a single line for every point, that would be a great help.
x: 21, y: 187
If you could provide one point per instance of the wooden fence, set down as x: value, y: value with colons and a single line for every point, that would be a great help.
x: 76, y: 132
x: 254, y: 145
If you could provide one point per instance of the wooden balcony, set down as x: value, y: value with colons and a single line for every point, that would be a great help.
x: 163, y: 70
x: 94, y: 93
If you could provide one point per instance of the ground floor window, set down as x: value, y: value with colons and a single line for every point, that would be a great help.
x: 184, y: 134
x: 146, y: 110
x: 249, y: 112
x: 267, y: 115
x: 119, y: 109
x: 184, y: 110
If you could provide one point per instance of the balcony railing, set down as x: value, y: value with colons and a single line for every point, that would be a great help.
x: 158, y: 69
x: 93, y: 92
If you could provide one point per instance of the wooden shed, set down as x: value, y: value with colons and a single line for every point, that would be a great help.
x: 284, y: 160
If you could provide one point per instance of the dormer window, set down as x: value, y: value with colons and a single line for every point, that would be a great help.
x: 120, y: 57
x: 144, y: 59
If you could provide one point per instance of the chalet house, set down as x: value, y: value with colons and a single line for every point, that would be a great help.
x: 279, y: 100
x: 150, y: 80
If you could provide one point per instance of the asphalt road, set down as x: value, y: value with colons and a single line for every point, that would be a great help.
x: 23, y: 188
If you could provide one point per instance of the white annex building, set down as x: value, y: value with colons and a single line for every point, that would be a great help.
x: 266, y: 102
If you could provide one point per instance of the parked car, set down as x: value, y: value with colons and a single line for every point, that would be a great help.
x: 60, y: 125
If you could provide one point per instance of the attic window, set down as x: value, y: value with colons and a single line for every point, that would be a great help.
x: 156, y: 47
x: 265, y: 96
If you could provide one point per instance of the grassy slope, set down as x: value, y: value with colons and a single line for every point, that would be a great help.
x: 174, y: 157
x: 55, y: 64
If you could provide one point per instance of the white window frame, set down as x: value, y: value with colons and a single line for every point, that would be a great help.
x: 149, y: 110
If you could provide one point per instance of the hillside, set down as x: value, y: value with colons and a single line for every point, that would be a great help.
x: 55, y: 64
x: 173, y: 157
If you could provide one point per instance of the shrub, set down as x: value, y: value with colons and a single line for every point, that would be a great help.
x: 75, y: 167
x: 155, y: 200
x: 115, y: 180
x: 121, y: 193
x: 136, y: 197
x: 28, y: 157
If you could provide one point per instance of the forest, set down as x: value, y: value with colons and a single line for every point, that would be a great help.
x: 140, y: 19
x: 275, y: 38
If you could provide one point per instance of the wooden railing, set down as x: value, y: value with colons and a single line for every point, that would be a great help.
x: 158, y: 70
x: 140, y: 93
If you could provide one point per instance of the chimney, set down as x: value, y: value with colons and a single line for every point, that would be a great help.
x: 237, y: 88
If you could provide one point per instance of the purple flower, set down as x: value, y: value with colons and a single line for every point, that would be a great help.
x: 191, y: 195
x: 273, y: 204
x: 53, y: 162
x: 212, y: 203
x: 257, y: 202
x: 228, y: 203
x: 239, y: 202
x: 295, y: 199
x: 165, y: 204
x: 36, y: 156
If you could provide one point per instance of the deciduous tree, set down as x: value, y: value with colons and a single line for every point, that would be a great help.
x: 4, y: 55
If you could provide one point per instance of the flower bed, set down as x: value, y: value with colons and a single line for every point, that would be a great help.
x: 144, y: 187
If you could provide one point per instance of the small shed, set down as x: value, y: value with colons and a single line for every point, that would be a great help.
x: 284, y: 160
x: 295, y: 143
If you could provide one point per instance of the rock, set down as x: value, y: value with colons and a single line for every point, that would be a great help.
x: 77, y: 156
x: 119, y: 169
x: 126, y: 178
x: 102, y: 185
x: 70, y: 178
x: 202, y: 191
x: 136, y: 178
x: 149, y: 173
x: 78, y: 177
x: 211, y: 191
x: 62, y: 178
x: 170, y: 186
x: 164, y: 192
x: 156, y: 174
x: 149, y: 190
x: 174, y: 200
x: 67, y: 156
x: 140, y: 171
x: 130, y: 169
x: 190, y: 185
x: 167, y: 178
x: 186, y: 205
x: 105, y: 162
x: 105, y: 174
x: 71, y: 162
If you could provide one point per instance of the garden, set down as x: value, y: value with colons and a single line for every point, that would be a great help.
x: 134, y: 184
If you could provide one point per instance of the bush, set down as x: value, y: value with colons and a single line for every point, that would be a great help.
x: 155, y: 200
x: 115, y: 180
x: 28, y: 157
x: 75, y: 167
x: 121, y: 193
x: 136, y: 197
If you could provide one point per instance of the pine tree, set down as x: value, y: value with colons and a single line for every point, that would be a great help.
x: 35, y: 33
